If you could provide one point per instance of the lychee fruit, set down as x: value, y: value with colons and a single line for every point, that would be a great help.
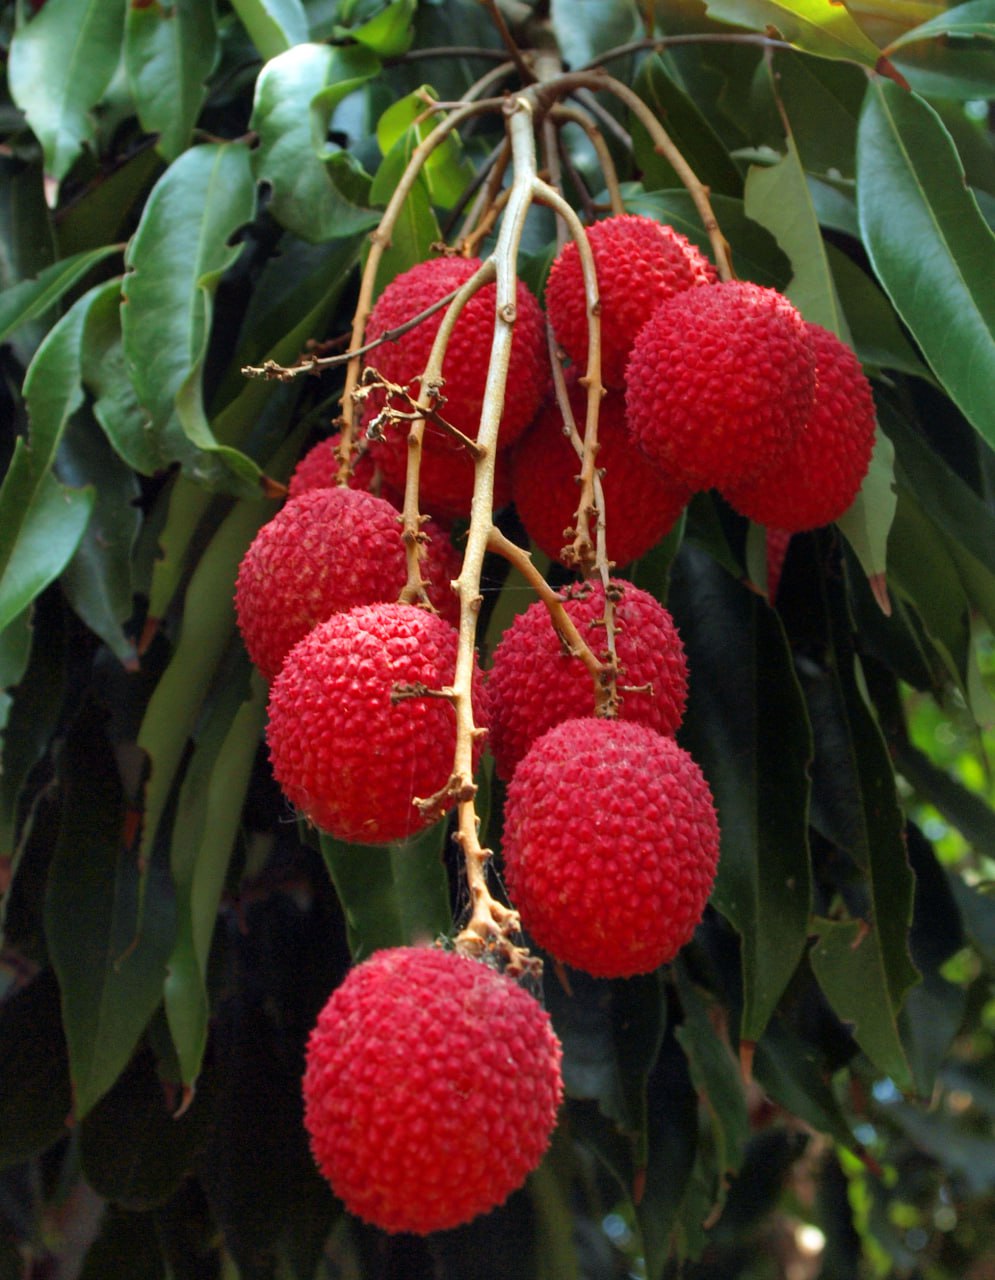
x: 534, y: 683
x: 611, y: 844
x: 639, y: 263
x: 431, y: 1089
x: 818, y: 477
x: 319, y: 469
x: 720, y: 382
x: 323, y: 552
x: 346, y: 750
x: 468, y: 354
x: 642, y: 502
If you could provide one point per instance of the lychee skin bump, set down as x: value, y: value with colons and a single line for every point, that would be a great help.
x: 720, y: 383
x: 534, y: 684
x: 643, y: 503
x: 319, y: 469
x: 324, y: 552
x: 351, y: 759
x: 817, y: 479
x: 611, y: 844
x: 431, y: 1089
x: 639, y: 263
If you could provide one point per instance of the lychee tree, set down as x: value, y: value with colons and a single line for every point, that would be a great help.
x: 324, y: 954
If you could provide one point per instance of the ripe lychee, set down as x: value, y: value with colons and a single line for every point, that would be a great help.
x: 720, y: 382
x: 319, y: 469
x: 639, y: 263
x: 468, y: 353
x: 642, y: 501
x: 346, y: 750
x: 322, y: 553
x: 535, y: 684
x: 431, y: 1089
x: 611, y: 844
x: 818, y: 477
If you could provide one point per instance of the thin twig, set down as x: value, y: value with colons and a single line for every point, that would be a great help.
x: 497, y: 17
x: 660, y: 44
x: 563, y: 113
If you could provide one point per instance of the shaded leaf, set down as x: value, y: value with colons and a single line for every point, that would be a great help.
x: 416, y: 228
x: 585, y: 28
x: 822, y: 100
x: 394, y: 895
x: 822, y: 27
x: 929, y: 245
x: 963, y: 809
x: 35, y: 1099
x: 168, y: 54
x: 878, y: 338
x: 976, y: 18
x: 60, y: 64
x: 126, y: 1248
x: 107, y: 208
x: 110, y: 963
x: 295, y: 96
x: 867, y: 522
x: 274, y: 26
x: 33, y: 298
x: 746, y: 727
x: 789, y: 1070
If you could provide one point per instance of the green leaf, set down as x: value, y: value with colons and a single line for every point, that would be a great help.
x: 822, y: 27
x: 586, y: 28
x: 976, y: 18
x: 107, y: 209
x: 416, y: 228
x: 168, y: 53
x: 35, y: 1098
x: 929, y: 245
x: 755, y: 251
x: 110, y: 965
x: 787, y: 1067
x: 746, y: 726
x: 867, y: 523
x: 392, y: 895
x: 389, y: 33
x: 60, y: 64
x: 822, y: 100
x: 688, y: 128
x: 778, y: 198
x: 878, y: 338
x: 274, y: 26
x: 208, y: 814
x: 175, y: 260
x: 33, y: 298
x: 962, y: 808
x: 296, y: 94
x: 446, y: 172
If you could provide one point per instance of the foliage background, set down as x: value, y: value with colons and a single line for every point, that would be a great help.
x: 186, y: 189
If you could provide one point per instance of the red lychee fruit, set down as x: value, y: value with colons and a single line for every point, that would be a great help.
x: 642, y: 501
x: 345, y: 750
x: 639, y: 263
x: 319, y: 469
x: 720, y: 382
x: 535, y: 684
x: 431, y: 1089
x: 611, y: 844
x: 818, y: 477
x: 323, y: 553
x: 467, y: 356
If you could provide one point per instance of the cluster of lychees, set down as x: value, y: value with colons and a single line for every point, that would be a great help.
x: 425, y: 1062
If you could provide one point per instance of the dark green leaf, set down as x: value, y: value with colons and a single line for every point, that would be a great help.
x: 295, y: 96
x: 957, y: 68
x: 789, y: 1071
x: 963, y: 809
x: 392, y: 896
x: 878, y: 338
x: 416, y: 228
x: 977, y: 908
x: 169, y: 53
x: 822, y: 101
x: 60, y: 64
x: 755, y: 250
x: 127, y: 1248
x: 35, y: 1099
x: 929, y: 245
x: 106, y: 209
x: 976, y: 18
x: 688, y: 128
x: 274, y: 26
x: 834, y: 205
x: 821, y: 27
x: 746, y: 727
x: 34, y: 298
x: 585, y: 28
x: 110, y: 962
x: 969, y: 1155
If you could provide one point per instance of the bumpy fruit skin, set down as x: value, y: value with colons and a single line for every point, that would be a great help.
x: 323, y: 553
x: 464, y: 368
x: 720, y: 383
x: 533, y: 684
x: 640, y: 263
x: 431, y: 1089
x: 642, y: 501
x: 319, y: 469
x: 351, y: 761
x: 611, y: 844
x: 818, y: 477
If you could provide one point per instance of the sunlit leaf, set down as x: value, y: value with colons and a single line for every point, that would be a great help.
x: 822, y: 27
x: 274, y: 26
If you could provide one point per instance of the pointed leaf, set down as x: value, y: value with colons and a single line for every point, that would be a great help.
x: 296, y: 94
x: 822, y: 27
x: 110, y: 971
x: 168, y: 53
x: 929, y: 245
x: 274, y: 26
x: 390, y: 32
x: 392, y: 895
x: 976, y: 18
x: 867, y: 523
x: 822, y: 99
x: 60, y: 64
x: 33, y: 298
x: 746, y: 726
